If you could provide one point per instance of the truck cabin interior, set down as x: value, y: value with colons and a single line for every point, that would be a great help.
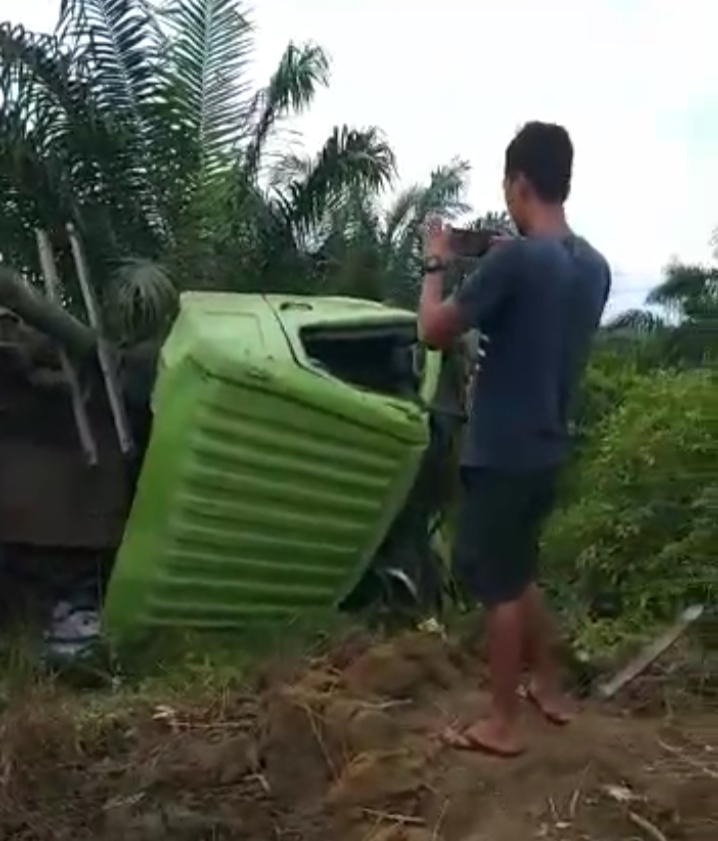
x: 384, y: 358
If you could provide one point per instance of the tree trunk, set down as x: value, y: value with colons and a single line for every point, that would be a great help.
x: 76, y: 338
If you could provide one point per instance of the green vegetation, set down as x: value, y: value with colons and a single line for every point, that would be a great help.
x: 684, y: 331
x: 637, y: 534
x: 636, y: 537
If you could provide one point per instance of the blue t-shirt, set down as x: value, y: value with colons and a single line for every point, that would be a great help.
x: 539, y: 300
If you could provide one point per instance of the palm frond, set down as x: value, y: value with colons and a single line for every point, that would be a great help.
x: 115, y: 38
x: 446, y: 190
x: 683, y: 331
x: 119, y: 46
x: 209, y: 46
x: 40, y: 87
x: 688, y: 291
x: 141, y: 300
x: 29, y: 62
x: 288, y: 168
x: 443, y: 196
x: 351, y: 160
x: 637, y: 322
x: 401, y: 211
x: 301, y: 71
x: 52, y: 137
x: 360, y: 216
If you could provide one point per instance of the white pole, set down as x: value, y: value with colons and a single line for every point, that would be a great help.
x: 109, y: 372
x: 82, y: 421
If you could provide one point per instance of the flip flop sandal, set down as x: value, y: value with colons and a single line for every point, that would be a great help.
x: 461, y: 740
x: 557, y: 719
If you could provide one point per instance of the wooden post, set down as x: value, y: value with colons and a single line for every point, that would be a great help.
x: 82, y: 420
x: 651, y: 653
x: 107, y: 365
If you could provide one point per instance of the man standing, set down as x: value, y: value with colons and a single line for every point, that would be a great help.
x: 539, y: 299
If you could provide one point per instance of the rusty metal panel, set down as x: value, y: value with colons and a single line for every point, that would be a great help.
x: 51, y: 497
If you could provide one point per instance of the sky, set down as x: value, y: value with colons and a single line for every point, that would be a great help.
x: 634, y: 81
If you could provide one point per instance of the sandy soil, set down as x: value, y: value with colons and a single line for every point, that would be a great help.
x: 346, y: 747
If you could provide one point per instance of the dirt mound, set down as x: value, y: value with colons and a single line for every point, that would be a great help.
x: 406, y: 667
x: 347, y: 748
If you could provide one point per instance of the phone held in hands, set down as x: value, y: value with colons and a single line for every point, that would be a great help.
x: 472, y: 243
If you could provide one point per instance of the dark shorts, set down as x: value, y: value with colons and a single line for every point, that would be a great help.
x: 501, y: 515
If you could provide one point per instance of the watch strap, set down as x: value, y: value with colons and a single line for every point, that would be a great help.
x: 433, y: 265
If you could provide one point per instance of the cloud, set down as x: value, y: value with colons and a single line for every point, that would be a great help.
x: 635, y: 81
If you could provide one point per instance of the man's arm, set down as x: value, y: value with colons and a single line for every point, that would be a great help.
x: 479, y: 298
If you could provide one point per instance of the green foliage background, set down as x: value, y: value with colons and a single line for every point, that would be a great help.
x: 636, y: 536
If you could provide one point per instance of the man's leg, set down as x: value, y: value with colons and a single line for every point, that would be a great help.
x: 506, y: 633
x: 541, y: 637
x: 494, y: 568
x: 540, y: 643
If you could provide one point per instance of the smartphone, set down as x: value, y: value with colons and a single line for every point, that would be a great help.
x: 468, y: 243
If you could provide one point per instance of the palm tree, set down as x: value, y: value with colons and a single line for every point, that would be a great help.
x: 684, y: 330
x: 137, y: 123
x: 372, y: 251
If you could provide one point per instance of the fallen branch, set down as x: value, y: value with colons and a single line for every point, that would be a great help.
x: 699, y: 766
x: 393, y: 817
x: 650, y: 654
x: 46, y: 316
x: 437, y: 826
x: 316, y: 732
x: 650, y: 829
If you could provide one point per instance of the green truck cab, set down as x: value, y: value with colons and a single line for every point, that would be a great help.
x: 288, y: 438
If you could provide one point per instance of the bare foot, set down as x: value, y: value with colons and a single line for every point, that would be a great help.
x: 487, y: 736
x: 555, y: 707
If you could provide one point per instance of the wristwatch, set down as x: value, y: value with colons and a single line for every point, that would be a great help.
x: 433, y: 265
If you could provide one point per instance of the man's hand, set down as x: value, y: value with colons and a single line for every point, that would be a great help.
x: 437, y: 240
x: 439, y: 321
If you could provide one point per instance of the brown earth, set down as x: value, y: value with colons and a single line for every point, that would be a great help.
x: 347, y: 748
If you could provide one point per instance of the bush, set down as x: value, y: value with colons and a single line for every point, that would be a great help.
x: 609, y: 380
x: 637, y: 538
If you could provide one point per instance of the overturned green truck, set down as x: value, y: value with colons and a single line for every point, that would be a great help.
x: 301, y: 457
x: 276, y: 454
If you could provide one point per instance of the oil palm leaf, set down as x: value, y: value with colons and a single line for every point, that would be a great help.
x: 637, y: 322
x: 206, y: 84
x: 302, y: 69
x: 690, y: 291
x: 116, y: 45
x: 114, y: 39
x: 351, y: 160
x: 444, y: 195
x: 141, y: 300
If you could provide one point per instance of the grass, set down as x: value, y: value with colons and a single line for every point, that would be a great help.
x: 171, y: 663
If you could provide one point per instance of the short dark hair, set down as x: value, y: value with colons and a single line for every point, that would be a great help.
x: 543, y: 154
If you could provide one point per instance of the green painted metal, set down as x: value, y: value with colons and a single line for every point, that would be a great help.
x: 268, y: 483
